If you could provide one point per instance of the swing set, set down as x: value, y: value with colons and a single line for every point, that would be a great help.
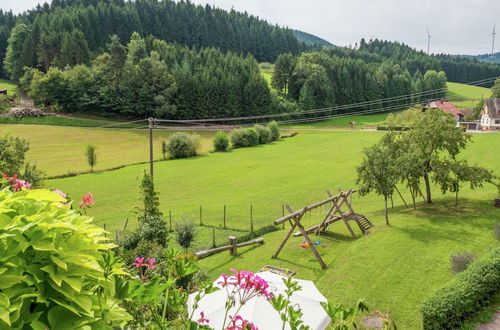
x: 334, y: 214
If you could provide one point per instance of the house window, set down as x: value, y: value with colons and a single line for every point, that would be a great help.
x: 497, y: 121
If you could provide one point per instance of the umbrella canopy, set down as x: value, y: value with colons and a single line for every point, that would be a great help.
x: 259, y: 311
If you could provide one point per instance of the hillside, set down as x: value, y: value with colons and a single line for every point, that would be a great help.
x: 488, y: 58
x: 311, y: 40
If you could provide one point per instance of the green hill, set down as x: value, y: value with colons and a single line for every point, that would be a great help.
x: 311, y: 39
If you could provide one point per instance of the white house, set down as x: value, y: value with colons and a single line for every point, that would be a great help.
x: 490, y: 115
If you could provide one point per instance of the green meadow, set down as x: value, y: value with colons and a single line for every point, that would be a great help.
x: 466, y: 96
x: 9, y: 86
x: 395, y: 267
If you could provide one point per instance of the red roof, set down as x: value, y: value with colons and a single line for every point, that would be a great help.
x: 447, y: 107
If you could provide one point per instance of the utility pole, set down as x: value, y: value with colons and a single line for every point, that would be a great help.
x: 151, y: 122
x: 493, y: 41
x: 428, y: 41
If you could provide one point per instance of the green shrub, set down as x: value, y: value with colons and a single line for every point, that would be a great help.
x: 464, y: 295
x: 51, y: 265
x: 275, y: 130
x: 239, y: 138
x: 221, y: 141
x: 257, y: 233
x: 460, y: 262
x: 264, y: 134
x: 183, y: 145
x: 252, y: 137
x: 186, y: 233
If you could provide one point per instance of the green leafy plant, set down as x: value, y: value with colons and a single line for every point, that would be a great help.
x: 183, y: 145
x: 221, y: 141
x: 264, y: 133
x: 275, y: 130
x: 185, y: 233
x: 464, y: 295
x: 53, y: 275
x: 91, y: 154
x: 164, y: 149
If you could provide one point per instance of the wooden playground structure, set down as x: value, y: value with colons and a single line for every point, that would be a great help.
x: 334, y: 214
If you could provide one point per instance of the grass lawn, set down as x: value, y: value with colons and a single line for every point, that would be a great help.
x: 393, y: 267
x: 62, y: 121
x: 466, y: 96
x: 9, y: 86
x: 362, y: 121
x: 59, y: 150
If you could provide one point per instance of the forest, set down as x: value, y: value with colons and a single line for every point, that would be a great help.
x: 51, y: 29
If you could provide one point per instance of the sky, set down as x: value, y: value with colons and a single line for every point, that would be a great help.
x: 455, y: 26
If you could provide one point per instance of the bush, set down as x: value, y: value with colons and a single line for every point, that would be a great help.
x: 186, y: 233
x: 264, y: 134
x: 464, y: 295
x: 252, y: 137
x: 275, y: 130
x: 460, y: 262
x: 239, y: 138
x: 221, y: 141
x: 51, y: 264
x: 257, y: 233
x: 183, y: 145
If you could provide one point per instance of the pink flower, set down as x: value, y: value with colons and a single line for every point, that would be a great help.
x: 87, y: 200
x: 17, y: 184
x: 63, y: 195
x: 150, y: 263
x: 139, y: 263
x: 245, y: 285
x: 238, y: 323
x: 202, y: 319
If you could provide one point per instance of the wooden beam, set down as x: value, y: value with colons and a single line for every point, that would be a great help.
x: 292, y: 228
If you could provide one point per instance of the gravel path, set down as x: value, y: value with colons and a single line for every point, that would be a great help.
x: 493, y: 325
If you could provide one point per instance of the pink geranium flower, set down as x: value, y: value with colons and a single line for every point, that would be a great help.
x: 238, y: 323
x: 151, y: 264
x: 87, y: 200
x: 202, y: 319
x: 60, y: 193
x: 139, y: 262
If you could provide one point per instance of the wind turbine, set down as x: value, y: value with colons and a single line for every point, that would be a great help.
x: 428, y: 41
x: 493, y: 39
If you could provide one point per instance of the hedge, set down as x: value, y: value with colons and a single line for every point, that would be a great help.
x: 393, y: 128
x: 464, y: 295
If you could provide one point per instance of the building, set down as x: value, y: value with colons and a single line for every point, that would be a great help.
x: 490, y: 115
x: 448, y: 107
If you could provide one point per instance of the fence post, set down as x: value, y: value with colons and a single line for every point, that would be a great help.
x: 283, y: 214
x: 170, y: 219
x: 234, y: 247
x: 105, y: 235
x: 126, y: 223
x: 224, y: 216
x: 201, y: 216
x: 213, y: 238
x: 251, y: 218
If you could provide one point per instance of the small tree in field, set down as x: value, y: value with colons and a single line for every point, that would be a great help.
x: 221, y: 141
x: 378, y: 172
x: 91, y: 156
x: 164, y: 149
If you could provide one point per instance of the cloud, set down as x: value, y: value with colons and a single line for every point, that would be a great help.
x: 456, y: 26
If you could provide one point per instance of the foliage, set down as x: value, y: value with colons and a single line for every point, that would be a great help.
x: 244, y: 137
x: 496, y: 230
x: 183, y: 145
x: 43, y: 284
x: 464, y: 295
x: 495, y: 90
x: 164, y: 149
x: 460, y: 261
x: 221, y: 141
x: 290, y: 314
x: 379, y: 171
x: 403, y: 119
x: 275, y: 130
x: 12, y: 159
x: 91, y: 154
x: 185, y: 233
x: 283, y: 71
x: 344, y: 317
x: 252, y: 136
x: 264, y: 133
x: 256, y: 233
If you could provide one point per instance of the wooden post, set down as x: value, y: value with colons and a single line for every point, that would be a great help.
x: 126, y: 223
x: 150, y: 124
x: 224, y: 216
x: 213, y: 238
x: 170, y: 219
x: 251, y: 218
x: 233, y: 241
x: 283, y: 214
x: 105, y: 235
x: 399, y: 193
x: 201, y: 216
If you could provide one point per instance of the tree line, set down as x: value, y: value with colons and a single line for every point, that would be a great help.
x: 457, y: 69
x: 149, y: 77
x: 333, y: 77
x: 67, y: 32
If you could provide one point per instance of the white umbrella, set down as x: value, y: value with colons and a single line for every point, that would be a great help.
x: 259, y: 311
